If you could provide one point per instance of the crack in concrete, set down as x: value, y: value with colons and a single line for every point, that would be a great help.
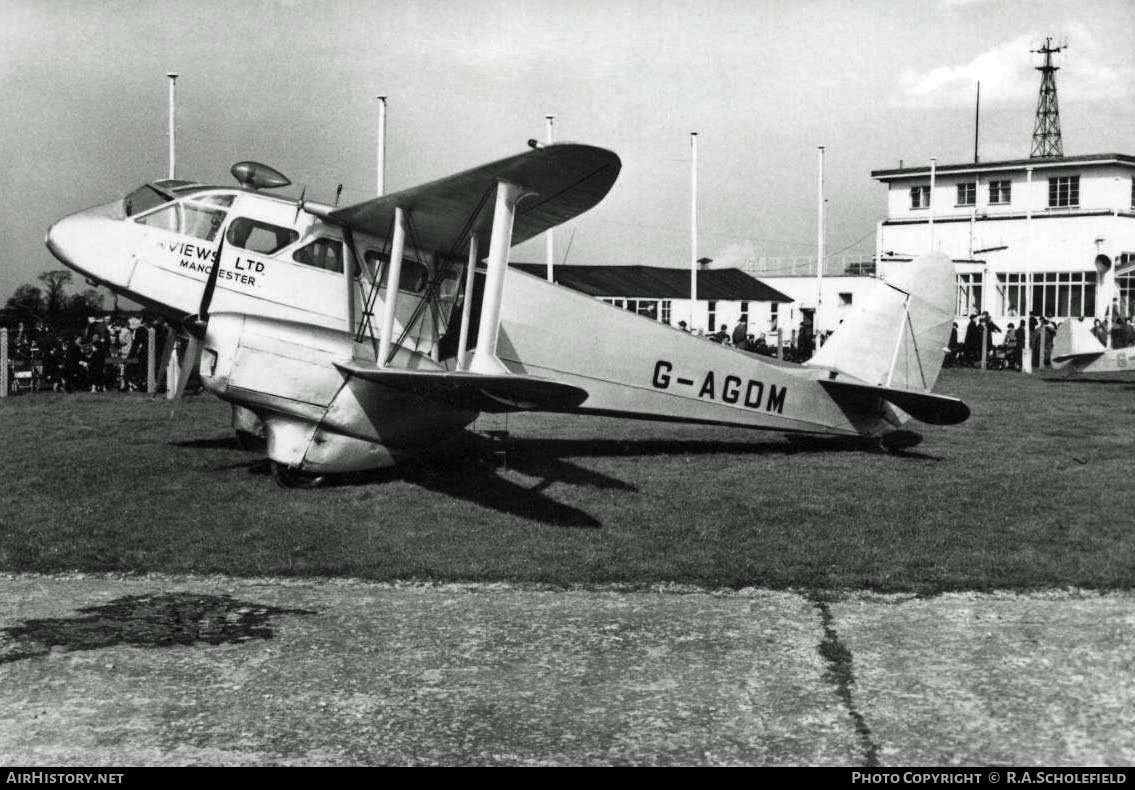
x: 841, y: 675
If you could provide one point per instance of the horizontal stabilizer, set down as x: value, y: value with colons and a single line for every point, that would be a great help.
x: 924, y: 406
x: 475, y: 391
x: 1074, y: 338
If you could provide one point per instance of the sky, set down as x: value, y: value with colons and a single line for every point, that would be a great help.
x: 293, y: 83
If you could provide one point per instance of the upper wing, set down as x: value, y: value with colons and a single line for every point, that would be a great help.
x: 474, y: 391
x: 567, y: 178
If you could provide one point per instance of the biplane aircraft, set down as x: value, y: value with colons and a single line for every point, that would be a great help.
x: 352, y: 338
x: 1077, y: 353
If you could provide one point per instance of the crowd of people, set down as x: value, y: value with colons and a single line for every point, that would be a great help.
x: 109, y: 353
x: 1004, y: 348
x: 800, y: 346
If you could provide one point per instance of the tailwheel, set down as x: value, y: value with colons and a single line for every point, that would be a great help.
x: 897, y: 441
x: 293, y: 477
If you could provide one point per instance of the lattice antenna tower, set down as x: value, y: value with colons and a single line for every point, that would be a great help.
x: 1046, y: 131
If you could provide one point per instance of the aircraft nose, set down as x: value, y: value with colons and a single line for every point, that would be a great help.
x: 92, y: 246
x: 63, y: 239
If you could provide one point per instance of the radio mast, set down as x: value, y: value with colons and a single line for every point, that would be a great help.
x: 1046, y: 132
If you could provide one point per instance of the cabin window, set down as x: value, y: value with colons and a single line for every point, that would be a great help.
x: 665, y: 317
x: 711, y: 315
x: 262, y: 237
x: 1064, y: 192
x: 322, y: 254
x: 413, y: 278
x: 1000, y: 192
x: 143, y: 199
x: 187, y: 219
x: 967, y: 193
x: 920, y: 197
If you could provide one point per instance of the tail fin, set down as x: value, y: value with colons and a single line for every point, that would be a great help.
x: 896, y: 338
x: 1074, y: 338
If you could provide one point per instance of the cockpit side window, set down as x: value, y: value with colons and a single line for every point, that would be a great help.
x: 142, y: 199
x: 187, y: 219
x: 258, y: 236
x: 322, y: 254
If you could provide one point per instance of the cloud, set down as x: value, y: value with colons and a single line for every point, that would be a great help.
x: 1008, y: 75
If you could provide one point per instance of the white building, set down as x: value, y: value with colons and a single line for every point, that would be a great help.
x: 726, y: 296
x: 1026, y: 235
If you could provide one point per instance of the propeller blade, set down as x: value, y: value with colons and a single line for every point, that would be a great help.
x: 299, y: 204
x: 195, y: 324
x: 192, y: 359
x: 211, y: 283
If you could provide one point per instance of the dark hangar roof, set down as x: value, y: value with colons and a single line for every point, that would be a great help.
x: 659, y: 282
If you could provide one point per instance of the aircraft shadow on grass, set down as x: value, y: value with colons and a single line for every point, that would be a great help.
x: 161, y: 620
x: 471, y: 467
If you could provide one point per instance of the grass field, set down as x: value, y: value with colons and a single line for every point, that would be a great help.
x: 1034, y: 491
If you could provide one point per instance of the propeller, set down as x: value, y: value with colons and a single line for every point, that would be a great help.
x: 195, y: 326
x: 299, y: 204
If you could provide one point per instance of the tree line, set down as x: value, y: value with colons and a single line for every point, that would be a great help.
x: 51, y: 304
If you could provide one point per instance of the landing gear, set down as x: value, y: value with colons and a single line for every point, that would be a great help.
x: 897, y: 441
x: 291, y: 477
x: 250, y: 441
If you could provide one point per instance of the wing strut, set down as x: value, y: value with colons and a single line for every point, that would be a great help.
x: 467, y: 305
x: 393, y: 282
x: 485, y: 358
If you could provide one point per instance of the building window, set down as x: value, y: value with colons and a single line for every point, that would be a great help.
x: 1064, y: 192
x: 773, y: 315
x: 1125, y: 285
x: 647, y: 307
x: 967, y: 193
x: 845, y: 298
x: 744, y: 319
x: 1056, y: 294
x: 711, y: 316
x: 1000, y: 193
x: 1133, y: 193
x: 665, y: 318
x: 920, y: 197
x: 969, y: 292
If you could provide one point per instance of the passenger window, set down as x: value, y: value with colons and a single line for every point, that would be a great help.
x: 196, y: 221
x: 413, y: 277
x: 259, y: 236
x: 322, y: 254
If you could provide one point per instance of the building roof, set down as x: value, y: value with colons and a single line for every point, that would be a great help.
x: 659, y: 282
x: 1008, y: 164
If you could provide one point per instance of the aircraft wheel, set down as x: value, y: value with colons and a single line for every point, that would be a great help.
x: 291, y: 477
x: 897, y: 441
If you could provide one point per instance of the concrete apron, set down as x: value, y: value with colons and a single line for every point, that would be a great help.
x: 160, y: 670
